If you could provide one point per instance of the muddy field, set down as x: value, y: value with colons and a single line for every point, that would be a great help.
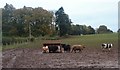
x: 34, y: 58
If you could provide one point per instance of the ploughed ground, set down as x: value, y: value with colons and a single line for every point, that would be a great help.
x: 34, y: 58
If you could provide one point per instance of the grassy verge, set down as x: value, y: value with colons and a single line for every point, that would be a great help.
x: 88, y: 40
x: 93, y: 40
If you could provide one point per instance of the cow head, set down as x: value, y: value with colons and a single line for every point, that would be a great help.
x: 84, y: 46
x: 45, y: 49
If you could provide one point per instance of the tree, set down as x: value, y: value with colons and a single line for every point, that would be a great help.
x: 7, y: 19
x: 26, y: 21
x: 41, y: 22
x: 118, y: 31
x: 103, y: 29
x: 90, y: 30
x: 63, y: 22
x: 76, y: 29
x: 81, y: 29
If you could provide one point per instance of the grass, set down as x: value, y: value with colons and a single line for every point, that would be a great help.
x: 93, y: 40
x: 87, y: 40
x: 34, y: 44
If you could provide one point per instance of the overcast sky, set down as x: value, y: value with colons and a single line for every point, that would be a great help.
x: 83, y: 12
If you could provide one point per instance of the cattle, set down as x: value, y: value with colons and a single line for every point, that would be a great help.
x: 66, y: 48
x: 106, y: 46
x: 45, y: 49
x: 54, y: 48
x: 78, y: 48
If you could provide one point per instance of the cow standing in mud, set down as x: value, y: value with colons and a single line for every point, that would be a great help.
x: 66, y: 48
x: 76, y: 48
x: 106, y: 46
x: 52, y: 49
x: 45, y: 49
x: 56, y: 48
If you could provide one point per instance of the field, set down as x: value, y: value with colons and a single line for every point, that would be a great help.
x: 29, y: 55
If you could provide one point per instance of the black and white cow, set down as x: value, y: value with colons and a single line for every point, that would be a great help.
x: 106, y: 46
x: 54, y: 48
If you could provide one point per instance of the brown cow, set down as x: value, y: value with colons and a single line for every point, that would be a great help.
x: 76, y: 48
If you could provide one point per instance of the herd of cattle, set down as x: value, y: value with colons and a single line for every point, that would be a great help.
x: 54, y: 48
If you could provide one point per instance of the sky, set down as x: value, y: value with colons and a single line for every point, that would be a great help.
x: 84, y: 12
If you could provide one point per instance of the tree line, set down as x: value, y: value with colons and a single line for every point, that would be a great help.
x: 35, y: 22
x: 20, y: 22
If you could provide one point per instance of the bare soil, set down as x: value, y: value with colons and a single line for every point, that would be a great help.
x: 34, y: 58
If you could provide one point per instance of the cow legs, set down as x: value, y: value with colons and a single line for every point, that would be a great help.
x: 103, y: 49
x: 109, y: 49
x: 80, y: 51
x: 76, y: 50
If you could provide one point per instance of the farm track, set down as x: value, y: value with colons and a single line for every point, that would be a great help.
x: 34, y: 58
